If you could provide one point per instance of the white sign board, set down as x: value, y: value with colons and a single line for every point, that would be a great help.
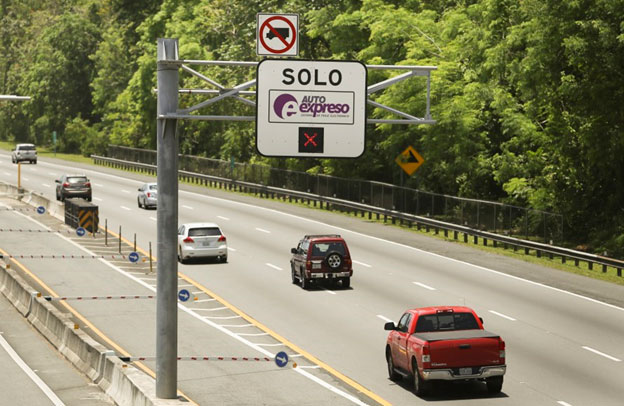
x: 277, y: 34
x: 311, y: 108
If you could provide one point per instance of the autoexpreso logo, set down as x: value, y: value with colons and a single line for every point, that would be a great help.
x: 297, y: 106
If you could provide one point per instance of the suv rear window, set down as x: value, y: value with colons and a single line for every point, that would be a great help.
x: 446, y: 322
x: 26, y: 147
x: 77, y: 179
x: 204, y: 231
x: 321, y: 249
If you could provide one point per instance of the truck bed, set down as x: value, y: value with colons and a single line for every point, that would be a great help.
x: 454, y: 335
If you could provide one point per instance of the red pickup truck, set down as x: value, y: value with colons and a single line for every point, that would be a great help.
x: 444, y: 343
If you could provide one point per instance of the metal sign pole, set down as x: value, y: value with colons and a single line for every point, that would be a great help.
x: 167, y: 223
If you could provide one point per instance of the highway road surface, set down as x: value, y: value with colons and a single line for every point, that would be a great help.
x: 564, y: 333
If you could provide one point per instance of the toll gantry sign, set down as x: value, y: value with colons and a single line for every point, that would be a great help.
x: 277, y: 34
x: 311, y: 108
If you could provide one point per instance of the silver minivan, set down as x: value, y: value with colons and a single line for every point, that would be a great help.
x: 24, y: 152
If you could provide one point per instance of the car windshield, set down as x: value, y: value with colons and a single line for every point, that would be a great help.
x: 321, y: 249
x: 77, y: 179
x: 446, y: 322
x: 204, y: 231
x: 27, y: 148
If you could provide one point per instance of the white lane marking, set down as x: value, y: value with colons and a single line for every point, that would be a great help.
x: 422, y: 285
x: 502, y: 315
x: 99, y: 184
x: 231, y: 202
x: 308, y: 366
x: 384, y: 318
x: 25, y: 178
x: 186, y: 286
x: 212, y: 310
x: 363, y: 264
x: 123, y: 190
x: 153, y: 218
x: 562, y: 403
x: 97, y: 199
x: 253, y: 334
x: 222, y: 328
x: 222, y: 317
x: 274, y: 266
x: 187, y: 207
x: 262, y: 230
x: 271, y: 345
x: 125, y: 208
x: 46, y: 185
x: 223, y: 218
x: 602, y: 354
x: 202, y: 300
x: 7, y: 173
x: 31, y: 374
x: 331, y: 292
x: 231, y: 249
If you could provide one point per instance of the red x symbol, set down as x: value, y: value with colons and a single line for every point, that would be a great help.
x: 310, y: 139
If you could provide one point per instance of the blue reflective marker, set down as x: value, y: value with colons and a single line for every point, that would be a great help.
x: 281, y: 359
x: 184, y: 295
x: 81, y: 231
x: 133, y: 257
x: 40, y: 209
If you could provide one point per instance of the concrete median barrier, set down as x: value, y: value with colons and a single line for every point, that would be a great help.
x: 123, y: 383
x: 16, y: 290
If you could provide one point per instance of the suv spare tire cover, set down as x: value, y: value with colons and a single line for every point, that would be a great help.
x: 334, y: 260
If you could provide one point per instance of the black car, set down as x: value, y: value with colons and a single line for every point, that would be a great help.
x: 68, y: 186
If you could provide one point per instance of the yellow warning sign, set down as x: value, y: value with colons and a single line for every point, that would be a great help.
x: 409, y: 160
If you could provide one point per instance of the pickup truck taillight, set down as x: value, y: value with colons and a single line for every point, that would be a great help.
x: 501, y: 349
x: 426, y: 356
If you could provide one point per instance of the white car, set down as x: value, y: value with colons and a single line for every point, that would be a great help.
x: 148, y: 195
x: 201, y: 240
x: 24, y: 152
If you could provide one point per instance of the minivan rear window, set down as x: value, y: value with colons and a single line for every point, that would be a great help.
x: 204, y: 231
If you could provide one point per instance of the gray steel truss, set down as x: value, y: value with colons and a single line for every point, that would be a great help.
x: 237, y: 92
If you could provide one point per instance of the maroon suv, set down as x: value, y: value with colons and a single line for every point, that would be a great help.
x: 321, y: 257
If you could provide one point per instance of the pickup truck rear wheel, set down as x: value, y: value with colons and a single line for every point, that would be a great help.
x: 392, y: 374
x: 494, y: 384
x: 293, y: 276
x: 305, y: 282
x: 421, y: 387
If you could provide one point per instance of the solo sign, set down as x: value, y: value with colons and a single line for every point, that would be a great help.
x: 311, y: 108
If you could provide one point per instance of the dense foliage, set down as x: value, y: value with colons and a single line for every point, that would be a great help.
x: 528, y: 94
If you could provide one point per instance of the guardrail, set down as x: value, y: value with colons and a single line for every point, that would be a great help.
x: 324, y: 202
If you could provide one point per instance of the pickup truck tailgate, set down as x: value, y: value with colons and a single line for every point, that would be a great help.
x: 462, y: 348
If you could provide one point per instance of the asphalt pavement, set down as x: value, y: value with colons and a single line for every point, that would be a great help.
x: 562, y: 330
